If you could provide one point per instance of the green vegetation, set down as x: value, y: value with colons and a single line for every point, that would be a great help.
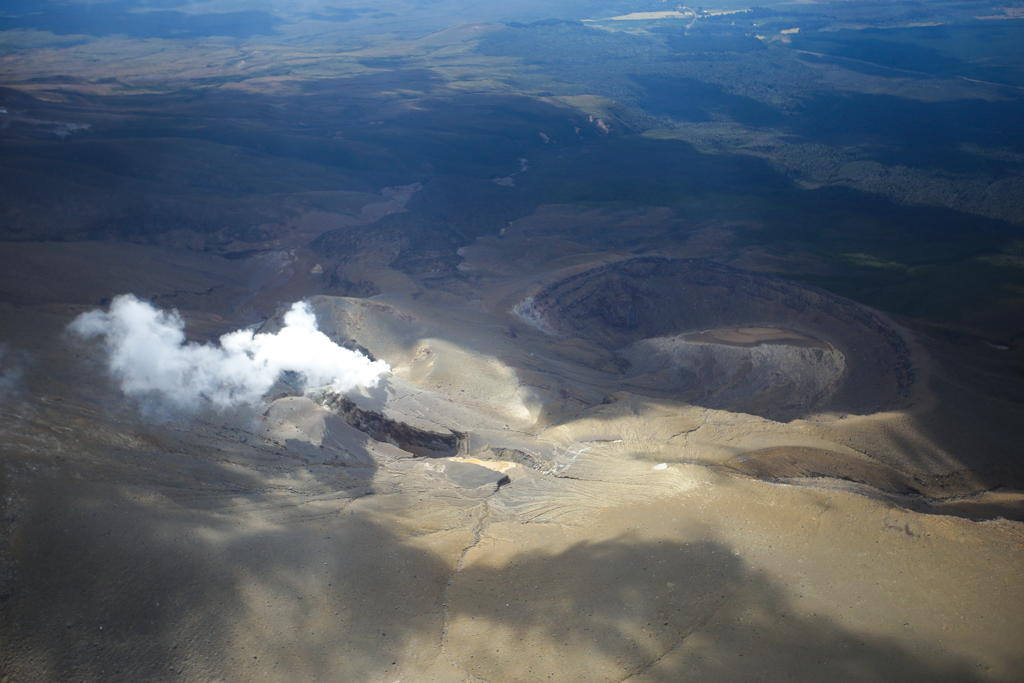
x: 983, y: 50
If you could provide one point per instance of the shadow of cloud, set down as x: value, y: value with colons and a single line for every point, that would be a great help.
x: 613, y: 607
x: 122, y: 582
x: 659, y: 611
x: 99, y: 594
x: 134, y: 583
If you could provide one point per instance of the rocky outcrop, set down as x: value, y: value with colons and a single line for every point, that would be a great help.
x: 437, y: 443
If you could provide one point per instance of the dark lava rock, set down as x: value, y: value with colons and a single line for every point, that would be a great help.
x: 422, y: 442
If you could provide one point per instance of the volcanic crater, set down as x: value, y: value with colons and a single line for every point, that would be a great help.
x: 720, y: 337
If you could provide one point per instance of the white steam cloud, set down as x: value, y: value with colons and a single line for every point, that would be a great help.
x: 149, y: 355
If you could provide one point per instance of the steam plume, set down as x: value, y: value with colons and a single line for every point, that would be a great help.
x: 147, y: 352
